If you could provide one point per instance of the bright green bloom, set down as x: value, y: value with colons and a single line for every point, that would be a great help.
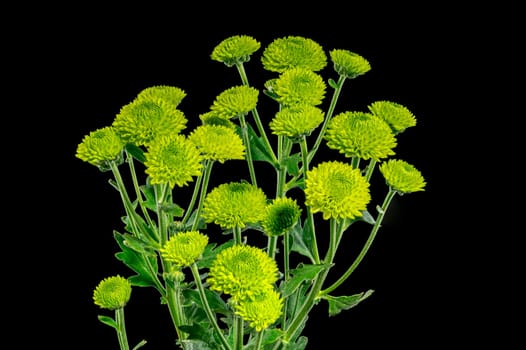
x: 172, y: 159
x: 360, y: 134
x: 291, y: 52
x: 261, y: 311
x: 296, y: 120
x: 144, y: 119
x: 402, y: 176
x: 337, y: 190
x: 171, y: 94
x: 349, y: 64
x: 112, y: 293
x: 281, y: 216
x: 234, y: 204
x: 235, y: 101
x: 184, y: 248
x: 299, y: 85
x: 396, y: 115
x: 100, y: 147
x: 242, y: 271
x: 235, y: 50
x: 217, y: 142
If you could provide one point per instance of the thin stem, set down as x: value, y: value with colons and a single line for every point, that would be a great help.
x: 204, y: 189
x: 367, y: 244
x: 208, y: 310
x: 259, y: 340
x: 237, y: 235
x: 370, y: 168
x: 238, y: 333
x: 121, y: 329
x: 128, y: 206
x: 195, y: 193
x: 248, y: 153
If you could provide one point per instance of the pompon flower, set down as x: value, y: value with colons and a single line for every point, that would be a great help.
x: 296, y: 120
x: 242, y: 271
x: 281, y: 216
x: 396, y: 115
x: 112, y: 293
x: 217, y: 142
x: 100, y: 147
x: 261, y: 311
x: 360, y: 134
x: 337, y: 190
x: 171, y: 94
x: 184, y: 248
x: 235, y: 101
x: 349, y: 64
x: 402, y: 176
x: 299, y: 86
x: 235, y: 50
x: 146, y: 118
x: 172, y: 159
x: 292, y: 52
x: 234, y: 204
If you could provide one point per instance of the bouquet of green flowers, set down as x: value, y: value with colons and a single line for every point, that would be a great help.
x: 228, y: 291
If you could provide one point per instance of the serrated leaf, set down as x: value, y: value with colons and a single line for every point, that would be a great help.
x: 108, y: 321
x: 337, y: 304
x: 303, y: 273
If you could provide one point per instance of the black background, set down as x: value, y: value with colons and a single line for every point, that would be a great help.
x: 91, y: 62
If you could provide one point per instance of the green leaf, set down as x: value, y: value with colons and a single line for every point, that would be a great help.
x: 216, y: 303
x: 300, y: 344
x: 257, y: 147
x: 172, y: 209
x: 302, y: 238
x: 139, y: 345
x: 108, y: 321
x: 337, y: 304
x: 303, y: 273
x: 192, y: 344
x: 292, y: 164
x: 333, y: 84
x: 136, y: 152
x: 136, y: 261
x: 199, y: 333
x: 210, y: 253
x: 367, y: 217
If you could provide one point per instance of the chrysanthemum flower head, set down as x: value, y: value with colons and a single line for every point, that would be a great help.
x: 235, y: 101
x: 402, y: 176
x: 172, y: 159
x: 234, y: 204
x: 296, y: 120
x: 184, y: 248
x: 396, y: 115
x: 291, y: 52
x: 242, y: 271
x: 261, y: 311
x: 337, y: 190
x: 349, y: 64
x: 282, y: 214
x: 299, y: 86
x: 146, y: 118
x: 171, y: 94
x: 217, y: 142
x: 100, y: 147
x: 360, y: 134
x: 235, y: 50
x: 112, y: 293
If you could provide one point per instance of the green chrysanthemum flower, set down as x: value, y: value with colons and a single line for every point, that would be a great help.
x: 261, y: 311
x: 217, y: 142
x: 173, y: 160
x: 297, y: 120
x: 171, y: 94
x: 112, y: 293
x: 402, y: 176
x: 360, y: 134
x: 100, y: 147
x: 235, y: 101
x: 281, y: 216
x: 184, y: 248
x: 292, y: 52
x: 144, y: 119
x: 235, y: 50
x: 337, y: 190
x: 234, y: 204
x: 299, y: 86
x: 242, y: 271
x: 349, y: 64
x: 397, y: 116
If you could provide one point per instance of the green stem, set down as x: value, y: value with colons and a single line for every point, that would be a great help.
x: 175, y: 306
x: 248, y: 152
x: 237, y: 235
x: 330, y: 111
x: 370, y: 168
x: 204, y: 189
x: 195, y: 193
x: 128, y: 206
x: 238, y: 333
x: 259, y: 340
x: 367, y: 245
x: 121, y: 329
x: 206, y: 305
